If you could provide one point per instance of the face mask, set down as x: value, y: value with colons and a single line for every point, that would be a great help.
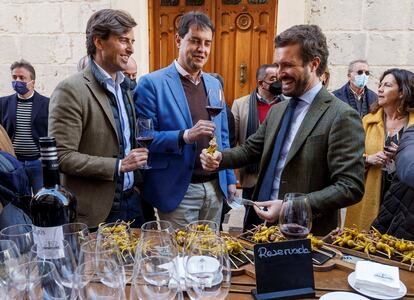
x: 133, y: 85
x: 275, y: 88
x: 361, y: 80
x: 20, y: 87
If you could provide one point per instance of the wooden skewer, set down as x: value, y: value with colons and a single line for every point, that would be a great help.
x: 247, y: 257
x: 233, y: 263
x: 234, y: 256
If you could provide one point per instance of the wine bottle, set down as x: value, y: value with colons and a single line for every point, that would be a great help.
x: 52, y: 206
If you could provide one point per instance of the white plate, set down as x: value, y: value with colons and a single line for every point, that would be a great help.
x: 342, y: 296
x: 401, y: 293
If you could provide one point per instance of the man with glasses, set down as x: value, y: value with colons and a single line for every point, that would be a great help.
x: 355, y: 92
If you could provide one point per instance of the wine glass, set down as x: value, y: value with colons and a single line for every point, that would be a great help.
x: 22, y: 235
x: 216, y: 103
x: 144, y: 135
x: 99, y: 279
x: 155, y: 271
x: 36, y: 280
x: 64, y: 261
x: 119, y: 233
x: 295, y: 218
x: 75, y: 234
x: 207, y: 269
x: 9, y: 258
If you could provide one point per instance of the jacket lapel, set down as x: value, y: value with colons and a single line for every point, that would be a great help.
x: 174, y: 82
x: 270, y: 137
x: 12, y: 110
x: 36, y: 107
x: 316, y: 110
x: 100, y: 97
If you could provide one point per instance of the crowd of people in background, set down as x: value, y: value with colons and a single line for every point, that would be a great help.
x: 352, y: 148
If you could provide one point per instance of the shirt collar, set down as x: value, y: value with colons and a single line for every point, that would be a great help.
x: 310, y: 95
x: 118, y: 79
x: 31, y: 95
x: 263, y: 100
x: 187, y: 75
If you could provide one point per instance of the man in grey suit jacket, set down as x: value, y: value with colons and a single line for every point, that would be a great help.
x: 321, y: 151
x: 93, y: 120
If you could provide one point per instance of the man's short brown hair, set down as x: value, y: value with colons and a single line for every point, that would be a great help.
x: 25, y: 65
x: 105, y: 22
x: 312, y: 43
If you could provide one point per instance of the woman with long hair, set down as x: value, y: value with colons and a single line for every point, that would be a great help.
x: 390, y: 115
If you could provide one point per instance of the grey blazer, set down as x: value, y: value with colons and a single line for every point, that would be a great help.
x: 325, y: 160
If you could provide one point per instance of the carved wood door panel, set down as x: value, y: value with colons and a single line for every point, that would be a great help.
x: 243, y: 40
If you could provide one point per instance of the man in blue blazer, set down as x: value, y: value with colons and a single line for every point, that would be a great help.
x: 175, y: 98
x: 24, y: 115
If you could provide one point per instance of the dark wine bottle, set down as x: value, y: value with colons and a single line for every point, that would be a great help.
x: 52, y: 206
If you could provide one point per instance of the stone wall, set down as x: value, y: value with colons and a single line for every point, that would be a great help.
x: 381, y: 31
x: 50, y: 35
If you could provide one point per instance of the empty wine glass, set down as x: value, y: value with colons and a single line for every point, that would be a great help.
x: 155, y: 270
x: 9, y: 258
x: 64, y: 261
x: 295, y: 218
x: 207, y: 269
x: 36, y: 280
x: 22, y: 235
x: 75, y: 234
x: 120, y: 233
x: 99, y: 279
x: 144, y: 135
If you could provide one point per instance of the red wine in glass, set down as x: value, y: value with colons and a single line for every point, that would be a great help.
x: 144, y: 135
x: 213, y: 110
x: 215, y: 102
x: 145, y: 141
x: 294, y: 231
x: 295, y: 217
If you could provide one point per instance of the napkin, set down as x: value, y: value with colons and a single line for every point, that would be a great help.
x: 377, y: 278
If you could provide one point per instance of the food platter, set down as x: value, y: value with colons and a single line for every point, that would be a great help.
x: 324, y: 257
x: 374, y: 246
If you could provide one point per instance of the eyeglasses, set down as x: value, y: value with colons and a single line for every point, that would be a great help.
x: 360, y: 72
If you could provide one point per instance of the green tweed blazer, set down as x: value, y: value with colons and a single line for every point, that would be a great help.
x: 325, y: 160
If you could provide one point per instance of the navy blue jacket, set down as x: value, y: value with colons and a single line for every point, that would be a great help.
x: 345, y: 91
x: 40, y: 114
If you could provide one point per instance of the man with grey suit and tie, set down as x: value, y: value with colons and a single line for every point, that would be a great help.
x: 313, y: 143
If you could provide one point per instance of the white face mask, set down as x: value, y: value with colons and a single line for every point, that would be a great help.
x: 361, y: 80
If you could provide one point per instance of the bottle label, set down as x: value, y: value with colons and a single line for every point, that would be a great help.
x: 49, y: 242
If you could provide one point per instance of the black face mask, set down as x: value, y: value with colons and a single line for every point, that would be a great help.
x: 275, y: 88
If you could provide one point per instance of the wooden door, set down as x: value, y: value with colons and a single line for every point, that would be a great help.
x: 243, y: 40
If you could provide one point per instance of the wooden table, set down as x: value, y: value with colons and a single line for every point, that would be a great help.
x: 325, y: 282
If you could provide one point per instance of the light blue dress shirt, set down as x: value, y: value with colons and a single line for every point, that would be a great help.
x: 115, y: 88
